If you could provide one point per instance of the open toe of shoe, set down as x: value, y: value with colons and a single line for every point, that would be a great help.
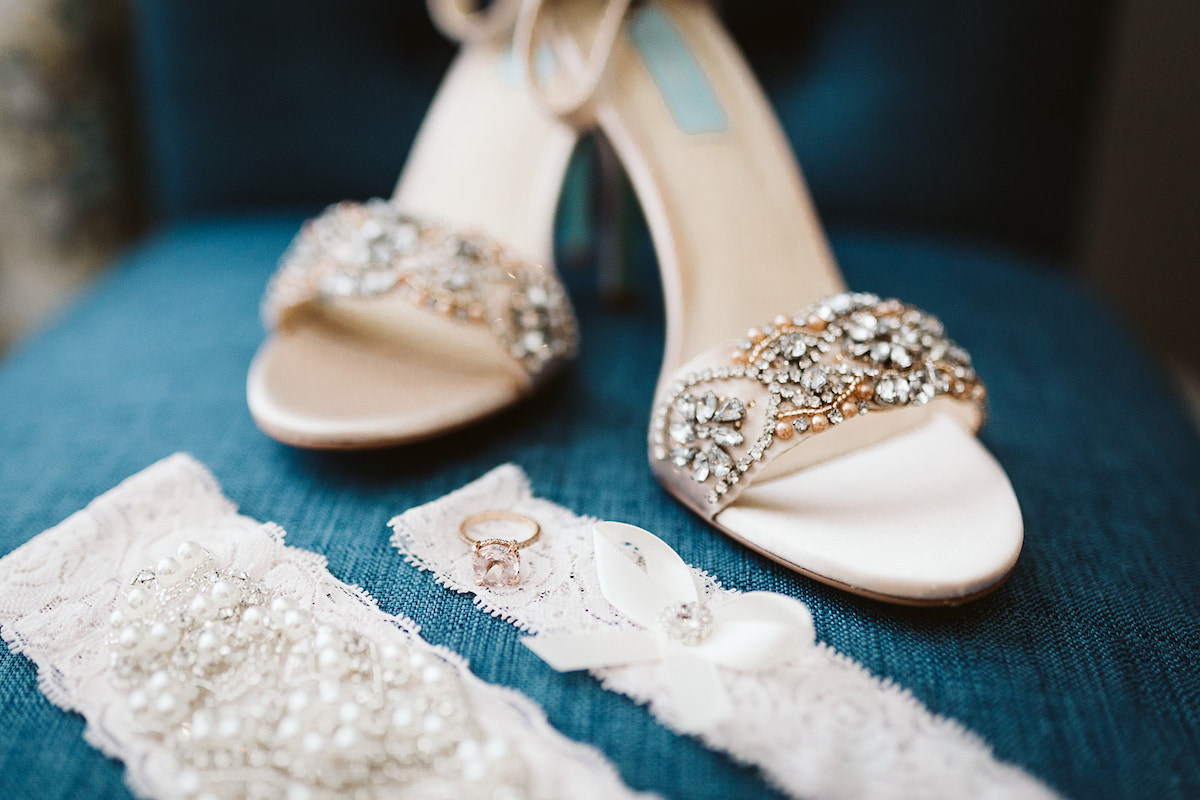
x: 388, y: 329
x: 839, y: 442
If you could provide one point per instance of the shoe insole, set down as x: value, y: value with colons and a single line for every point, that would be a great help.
x: 370, y: 370
x: 925, y: 517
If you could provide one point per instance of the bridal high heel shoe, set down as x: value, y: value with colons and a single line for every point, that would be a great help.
x: 830, y: 431
x: 397, y: 321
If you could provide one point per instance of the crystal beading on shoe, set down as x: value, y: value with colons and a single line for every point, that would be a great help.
x: 371, y: 249
x: 843, y: 357
x: 237, y: 666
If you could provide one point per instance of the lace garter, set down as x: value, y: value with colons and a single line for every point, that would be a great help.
x: 216, y: 661
x: 817, y: 724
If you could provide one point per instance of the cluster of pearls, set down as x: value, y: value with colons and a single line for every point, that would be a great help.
x: 372, y: 248
x: 256, y: 698
x: 842, y: 357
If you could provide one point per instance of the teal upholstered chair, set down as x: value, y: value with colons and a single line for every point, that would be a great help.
x: 943, y: 142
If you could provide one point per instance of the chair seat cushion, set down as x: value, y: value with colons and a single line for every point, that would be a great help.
x: 1093, y: 638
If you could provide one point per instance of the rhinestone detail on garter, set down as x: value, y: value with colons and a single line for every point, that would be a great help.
x: 843, y: 357
x: 687, y: 623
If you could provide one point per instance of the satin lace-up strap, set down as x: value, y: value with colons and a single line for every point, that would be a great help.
x: 462, y: 21
x: 570, y: 105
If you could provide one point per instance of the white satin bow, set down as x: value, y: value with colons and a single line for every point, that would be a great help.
x: 753, y: 632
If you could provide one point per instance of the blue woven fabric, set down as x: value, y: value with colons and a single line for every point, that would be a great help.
x: 1081, y: 669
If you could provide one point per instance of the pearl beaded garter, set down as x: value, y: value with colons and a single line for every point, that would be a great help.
x: 818, y: 724
x: 216, y: 661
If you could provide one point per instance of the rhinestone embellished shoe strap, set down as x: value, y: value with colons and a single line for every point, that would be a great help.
x: 372, y: 249
x: 731, y: 412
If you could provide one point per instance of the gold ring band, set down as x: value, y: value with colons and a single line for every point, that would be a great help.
x: 499, y: 516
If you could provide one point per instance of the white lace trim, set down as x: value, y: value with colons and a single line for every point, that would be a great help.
x: 819, y: 726
x: 59, y: 592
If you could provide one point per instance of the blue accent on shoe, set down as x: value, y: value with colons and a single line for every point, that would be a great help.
x: 683, y: 85
x: 543, y: 64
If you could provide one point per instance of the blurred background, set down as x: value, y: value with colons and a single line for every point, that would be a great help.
x: 103, y: 137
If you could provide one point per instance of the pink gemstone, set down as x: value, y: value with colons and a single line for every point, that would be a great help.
x: 496, y: 564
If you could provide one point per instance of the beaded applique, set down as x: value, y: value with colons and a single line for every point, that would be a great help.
x: 252, y: 694
x: 843, y: 357
x: 371, y: 249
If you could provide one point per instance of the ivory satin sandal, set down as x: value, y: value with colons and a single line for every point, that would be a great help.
x: 401, y: 320
x: 831, y: 431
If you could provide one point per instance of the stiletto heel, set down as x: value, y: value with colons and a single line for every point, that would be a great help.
x: 614, y: 259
